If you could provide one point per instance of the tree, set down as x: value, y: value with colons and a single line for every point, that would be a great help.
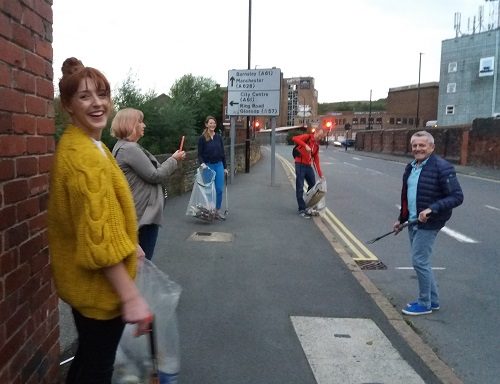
x: 203, y: 96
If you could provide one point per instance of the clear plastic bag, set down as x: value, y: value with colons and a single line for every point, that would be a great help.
x: 133, y: 364
x: 202, y: 202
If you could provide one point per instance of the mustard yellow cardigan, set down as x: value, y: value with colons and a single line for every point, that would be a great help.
x: 91, y: 224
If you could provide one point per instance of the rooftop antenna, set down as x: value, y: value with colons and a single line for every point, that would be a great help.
x: 480, y: 20
x: 456, y: 24
x: 492, y: 13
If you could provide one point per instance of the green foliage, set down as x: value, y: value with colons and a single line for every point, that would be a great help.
x: 354, y: 106
x: 167, y: 118
x: 294, y: 132
x: 61, y: 117
x: 201, y: 95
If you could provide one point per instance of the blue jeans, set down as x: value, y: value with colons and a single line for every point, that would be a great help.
x: 303, y: 172
x: 421, y: 244
x: 97, y: 344
x: 148, y: 234
x: 218, y: 168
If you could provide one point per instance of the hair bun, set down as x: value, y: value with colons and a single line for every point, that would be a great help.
x: 71, y: 66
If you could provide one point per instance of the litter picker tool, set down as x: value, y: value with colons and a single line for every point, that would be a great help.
x: 401, y: 226
x: 225, y: 193
x: 155, y: 376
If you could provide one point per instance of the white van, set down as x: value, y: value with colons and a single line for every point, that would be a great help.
x: 431, y: 124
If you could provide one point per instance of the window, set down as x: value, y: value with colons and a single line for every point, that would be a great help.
x: 362, y: 120
x: 450, y: 109
x: 378, y: 120
x: 452, y: 67
x: 486, y: 66
x: 354, y: 120
x: 391, y: 121
x: 398, y: 120
x: 451, y: 88
x: 410, y: 121
x: 405, y: 120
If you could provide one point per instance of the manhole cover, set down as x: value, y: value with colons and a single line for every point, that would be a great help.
x: 221, y: 237
x: 371, y: 264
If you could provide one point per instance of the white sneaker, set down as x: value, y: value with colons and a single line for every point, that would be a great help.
x: 312, y: 212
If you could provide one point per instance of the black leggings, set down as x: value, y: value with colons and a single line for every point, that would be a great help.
x: 97, y: 344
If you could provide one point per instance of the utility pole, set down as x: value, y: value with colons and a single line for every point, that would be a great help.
x: 370, y: 112
x: 418, y: 89
x: 247, y: 141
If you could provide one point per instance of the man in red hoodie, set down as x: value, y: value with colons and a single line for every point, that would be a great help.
x: 308, y: 150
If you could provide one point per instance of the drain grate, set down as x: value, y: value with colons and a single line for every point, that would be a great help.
x: 221, y: 237
x: 371, y: 264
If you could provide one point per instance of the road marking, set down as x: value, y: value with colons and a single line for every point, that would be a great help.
x: 357, y: 158
x: 356, y: 246
x: 343, y: 350
x: 350, y: 164
x: 410, y: 268
x: 492, y: 207
x: 361, y: 253
x: 479, y: 178
x: 374, y: 171
x: 460, y: 237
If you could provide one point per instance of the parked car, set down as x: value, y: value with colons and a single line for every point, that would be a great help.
x: 350, y: 142
x: 341, y: 143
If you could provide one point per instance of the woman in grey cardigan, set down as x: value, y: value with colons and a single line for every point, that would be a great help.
x: 145, y: 174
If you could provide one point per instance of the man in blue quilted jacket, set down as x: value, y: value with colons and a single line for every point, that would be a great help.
x: 429, y: 194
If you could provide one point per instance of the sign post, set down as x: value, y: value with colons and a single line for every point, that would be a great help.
x: 254, y: 92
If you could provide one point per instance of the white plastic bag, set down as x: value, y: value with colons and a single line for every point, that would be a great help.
x: 133, y: 362
x: 315, y: 197
x: 202, y: 202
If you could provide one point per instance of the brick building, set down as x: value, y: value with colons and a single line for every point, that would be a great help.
x: 401, y: 111
x: 29, y: 332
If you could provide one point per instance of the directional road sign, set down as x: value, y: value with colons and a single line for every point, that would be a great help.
x: 254, y: 92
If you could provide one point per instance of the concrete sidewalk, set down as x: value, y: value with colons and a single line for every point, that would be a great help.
x: 250, y: 280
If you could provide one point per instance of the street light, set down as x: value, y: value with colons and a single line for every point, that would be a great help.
x: 370, y: 112
x: 247, y: 141
x: 304, y: 111
x: 418, y: 88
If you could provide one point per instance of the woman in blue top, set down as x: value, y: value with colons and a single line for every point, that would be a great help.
x: 211, y: 154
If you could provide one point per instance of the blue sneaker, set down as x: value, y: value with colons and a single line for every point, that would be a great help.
x: 434, y: 306
x: 416, y: 309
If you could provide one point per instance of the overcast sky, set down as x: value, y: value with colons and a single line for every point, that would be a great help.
x: 349, y: 47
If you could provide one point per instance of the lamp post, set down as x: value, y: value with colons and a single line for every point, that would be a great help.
x: 247, y: 141
x: 304, y: 111
x: 370, y: 112
x: 418, y: 88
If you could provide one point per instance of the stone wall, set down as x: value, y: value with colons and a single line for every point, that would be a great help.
x: 182, y: 179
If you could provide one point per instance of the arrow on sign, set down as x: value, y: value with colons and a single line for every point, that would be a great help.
x: 231, y: 80
x: 231, y: 103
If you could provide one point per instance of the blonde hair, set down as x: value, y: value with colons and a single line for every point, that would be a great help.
x: 205, y: 131
x: 125, y: 122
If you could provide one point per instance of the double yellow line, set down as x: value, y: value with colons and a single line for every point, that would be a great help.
x: 356, y: 247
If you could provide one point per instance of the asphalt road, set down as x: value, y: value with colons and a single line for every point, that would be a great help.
x: 364, y: 193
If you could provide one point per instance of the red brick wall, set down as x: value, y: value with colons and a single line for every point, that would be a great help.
x: 478, y: 145
x: 29, y: 331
